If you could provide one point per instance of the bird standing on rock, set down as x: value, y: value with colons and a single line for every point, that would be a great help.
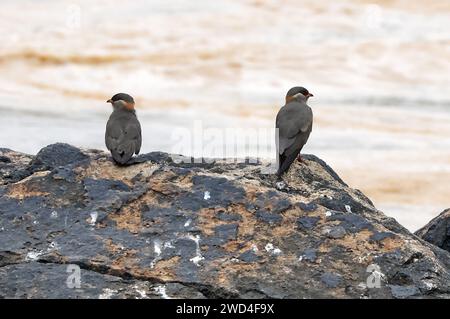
x: 123, y: 130
x: 294, y: 123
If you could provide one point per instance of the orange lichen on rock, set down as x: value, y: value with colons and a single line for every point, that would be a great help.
x: 28, y: 187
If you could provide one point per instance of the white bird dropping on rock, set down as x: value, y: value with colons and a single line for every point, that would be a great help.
x: 198, y: 254
x: 272, y: 250
x: 93, y: 220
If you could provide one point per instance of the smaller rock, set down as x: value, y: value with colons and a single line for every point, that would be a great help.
x: 437, y: 231
x: 279, y: 205
x: 307, y: 222
x: 5, y: 159
x: 224, y: 233
x: 337, y: 232
x: 224, y: 216
x: 353, y: 223
x: 403, y: 291
x: 248, y: 256
x: 55, y: 155
x: 309, y: 207
x: 379, y: 236
x: 308, y: 255
x: 156, y: 157
x: 331, y: 280
x: 268, y: 217
x: 64, y: 173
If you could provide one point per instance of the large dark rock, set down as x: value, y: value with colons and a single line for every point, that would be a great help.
x: 161, y: 229
x: 13, y: 166
x: 437, y: 231
x: 55, y: 155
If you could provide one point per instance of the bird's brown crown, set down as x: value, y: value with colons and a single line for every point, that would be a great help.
x: 291, y: 94
x: 122, y: 100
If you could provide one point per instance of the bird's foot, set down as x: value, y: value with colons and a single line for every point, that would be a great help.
x: 299, y: 159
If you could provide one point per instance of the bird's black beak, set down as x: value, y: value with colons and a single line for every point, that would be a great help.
x: 109, y: 101
x: 310, y: 95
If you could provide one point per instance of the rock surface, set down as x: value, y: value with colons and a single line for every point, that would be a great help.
x: 437, y: 231
x: 158, y: 229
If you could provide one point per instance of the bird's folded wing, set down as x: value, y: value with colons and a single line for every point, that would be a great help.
x: 291, y: 121
x: 133, y: 130
x: 113, y: 136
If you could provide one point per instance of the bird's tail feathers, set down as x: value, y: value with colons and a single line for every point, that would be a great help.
x: 285, y: 163
x: 281, y: 159
x: 123, y: 153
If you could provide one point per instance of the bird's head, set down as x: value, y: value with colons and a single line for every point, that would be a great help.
x: 122, y: 101
x: 298, y: 93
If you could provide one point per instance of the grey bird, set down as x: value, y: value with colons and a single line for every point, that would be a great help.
x: 123, y: 131
x: 294, y: 124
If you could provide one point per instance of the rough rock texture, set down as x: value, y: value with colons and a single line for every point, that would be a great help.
x: 157, y: 229
x: 437, y: 231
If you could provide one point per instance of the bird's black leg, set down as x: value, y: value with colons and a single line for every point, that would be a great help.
x: 299, y: 158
